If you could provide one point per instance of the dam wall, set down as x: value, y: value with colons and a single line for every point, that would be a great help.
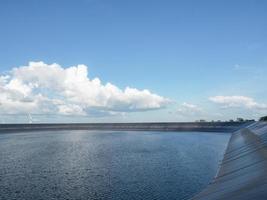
x: 243, y: 171
x: 186, y: 126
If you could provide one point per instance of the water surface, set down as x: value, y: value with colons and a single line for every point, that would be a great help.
x: 107, y: 165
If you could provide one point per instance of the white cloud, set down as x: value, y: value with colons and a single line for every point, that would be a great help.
x: 71, y: 110
x: 42, y: 88
x: 191, y: 106
x: 188, y: 109
x: 238, y: 101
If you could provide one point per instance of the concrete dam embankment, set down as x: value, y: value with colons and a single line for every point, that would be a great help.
x: 186, y: 126
x: 243, y: 171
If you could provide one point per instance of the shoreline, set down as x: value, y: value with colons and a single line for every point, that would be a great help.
x: 154, y: 126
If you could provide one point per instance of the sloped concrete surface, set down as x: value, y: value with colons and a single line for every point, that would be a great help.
x: 168, y: 126
x: 243, y: 171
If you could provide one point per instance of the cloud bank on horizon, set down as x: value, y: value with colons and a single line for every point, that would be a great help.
x: 41, y: 88
x: 238, y: 101
x: 50, y: 89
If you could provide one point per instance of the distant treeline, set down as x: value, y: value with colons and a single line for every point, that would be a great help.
x: 237, y: 120
x: 231, y: 120
x: 263, y: 118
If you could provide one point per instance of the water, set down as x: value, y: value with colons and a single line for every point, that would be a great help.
x: 107, y: 165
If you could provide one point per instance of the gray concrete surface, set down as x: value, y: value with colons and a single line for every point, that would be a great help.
x: 187, y: 126
x: 243, y: 171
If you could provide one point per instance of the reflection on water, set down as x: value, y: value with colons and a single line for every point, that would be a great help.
x: 107, y: 165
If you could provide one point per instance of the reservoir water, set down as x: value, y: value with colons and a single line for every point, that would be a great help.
x: 112, y: 165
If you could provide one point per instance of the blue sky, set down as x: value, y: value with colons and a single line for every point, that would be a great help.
x: 184, y: 51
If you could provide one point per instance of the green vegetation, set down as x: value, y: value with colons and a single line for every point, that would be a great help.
x: 263, y: 118
x: 239, y: 119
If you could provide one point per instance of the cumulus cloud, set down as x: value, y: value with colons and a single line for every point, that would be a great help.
x: 42, y: 88
x: 188, y: 109
x: 238, y: 101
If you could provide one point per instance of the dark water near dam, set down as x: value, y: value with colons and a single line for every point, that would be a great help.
x: 107, y: 165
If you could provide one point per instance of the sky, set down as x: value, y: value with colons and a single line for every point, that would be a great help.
x: 132, y: 61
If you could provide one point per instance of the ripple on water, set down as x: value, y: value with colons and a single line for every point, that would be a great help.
x: 107, y: 165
